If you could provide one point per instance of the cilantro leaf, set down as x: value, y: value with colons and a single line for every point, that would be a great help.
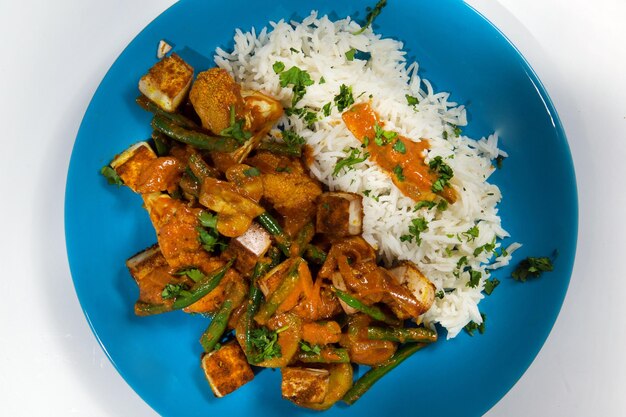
x: 303, y: 113
x: 424, y: 203
x: 265, y: 343
x: 298, y: 79
x: 474, y: 278
x: 471, y: 327
x: 353, y: 158
x: 344, y: 99
x: 252, y: 172
x: 399, y: 147
x: 278, y: 67
x: 411, y: 101
x: 417, y: 226
x: 235, y: 130
x: 532, y: 267
x: 173, y: 290
x: 306, y: 347
x: 397, y: 170
x: 443, y: 171
x: 327, y: 108
x: 490, y: 285
x: 371, y: 15
x: 350, y: 54
x: 192, y: 273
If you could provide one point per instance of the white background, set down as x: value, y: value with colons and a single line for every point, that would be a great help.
x: 53, y: 54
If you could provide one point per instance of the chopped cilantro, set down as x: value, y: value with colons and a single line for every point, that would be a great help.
x: 265, y: 343
x: 443, y: 171
x: 487, y: 247
x: 532, y: 267
x: 278, y: 67
x: 472, y: 326
x: 293, y: 139
x: 471, y: 233
x: 235, y: 130
x: 474, y: 278
x: 192, y: 273
x: 397, y: 170
x: 173, y: 290
x: 443, y: 205
x: 411, y: 101
x: 371, y: 15
x: 399, y: 147
x: 298, y: 79
x: 283, y: 169
x: 327, y: 108
x: 417, y: 226
x: 303, y: 113
x: 344, y: 99
x: 462, y: 261
x: 424, y: 203
x: 353, y: 158
x: 111, y: 176
x: 322, y: 80
x: 350, y: 54
x: 207, y: 234
x: 491, y: 285
x: 440, y: 294
x: 208, y: 219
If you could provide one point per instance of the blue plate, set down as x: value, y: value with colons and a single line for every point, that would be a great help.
x: 459, y: 51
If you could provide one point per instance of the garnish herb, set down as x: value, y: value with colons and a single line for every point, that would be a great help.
x: 399, y: 173
x: 471, y: 233
x: 381, y: 136
x: 443, y: 171
x: 399, y: 147
x: 235, y: 130
x: 111, y: 176
x: 350, y: 54
x: 440, y: 294
x: 490, y: 285
x: 252, y: 172
x: 462, y: 261
x: 208, y: 234
x: 326, y: 109
x: 443, y: 205
x: 278, y: 67
x: 411, y: 101
x: 532, y: 267
x: 344, y: 99
x: 368, y: 193
x: 424, y: 203
x: 371, y: 15
x: 457, y: 131
x: 298, y: 79
x: 303, y: 113
x: 417, y: 226
x: 283, y: 169
x: 322, y: 80
x: 265, y: 342
x: 292, y: 139
x: 174, y: 290
x: 353, y: 158
x: 487, y: 247
x: 472, y: 327
x: 192, y: 273
x: 474, y: 278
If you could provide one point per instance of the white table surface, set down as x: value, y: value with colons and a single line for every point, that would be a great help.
x: 54, y: 54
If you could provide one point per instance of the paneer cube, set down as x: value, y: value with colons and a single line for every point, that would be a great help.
x: 249, y: 247
x: 226, y: 369
x: 412, y: 278
x: 130, y: 163
x: 305, y: 385
x: 150, y: 271
x: 167, y: 82
x: 340, y: 214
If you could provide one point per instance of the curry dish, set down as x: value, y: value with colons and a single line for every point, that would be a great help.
x: 247, y: 236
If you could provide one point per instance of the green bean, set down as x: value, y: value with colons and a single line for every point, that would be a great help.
x: 372, y: 311
x: 147, y: 309
x: 255, y: 296
x: 177, y: 118
x: 200, y: 168
x: 202, y: 287
x: 280, y: 148
x: 314, y: 254
x: 271, y: 225
x: 161, y: 143
x: 212, y: 335
x: 194, y: 138
x: 402, y: 335
x: 327, y: 354
x: 370, y: 377
x: 280, y: 294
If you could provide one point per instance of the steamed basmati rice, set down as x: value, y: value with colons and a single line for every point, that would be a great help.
x: 319, y: 46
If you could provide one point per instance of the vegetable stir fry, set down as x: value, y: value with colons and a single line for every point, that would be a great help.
x: 247, y: 236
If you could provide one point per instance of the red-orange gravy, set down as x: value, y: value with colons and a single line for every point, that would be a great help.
x: 417, y: 178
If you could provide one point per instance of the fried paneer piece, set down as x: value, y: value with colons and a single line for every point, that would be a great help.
x: 409, y: 276
x: 167, y: 82
x: 304, y: 385
x: 212, y: 95
x: 226, y: 369
x: 339, y: 214
x: 131, y: 163
x: 288, y: 188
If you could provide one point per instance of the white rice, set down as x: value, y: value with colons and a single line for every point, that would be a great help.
x: 318, y: 46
